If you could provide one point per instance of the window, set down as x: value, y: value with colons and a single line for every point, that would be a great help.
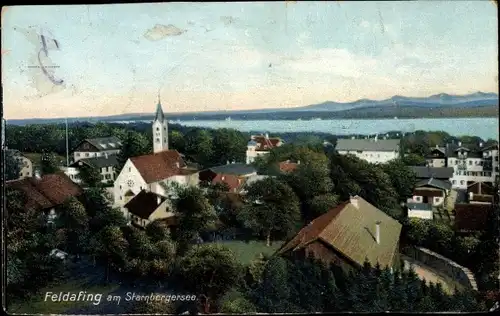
x: 129, y: 169
x: 108, y: 176
x: 120, y: 187
x: 165, y: 129
x: 86, y: 154
x: 454, y: 181
x: 157, y: 129
x: 157, y: 140
x: 121, y: 198
x: 103, y: 177
x: 78, y: 154
x: 462, y: 182
x: 456, y: 162
x: 103, y: 169
x: 470, y: 162
x: 165, y: 140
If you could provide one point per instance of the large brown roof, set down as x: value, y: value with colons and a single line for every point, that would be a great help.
x: 350, y: 230
x: 144, y: 204
x: 159, y: 166
x: 48, y: 191
x: 287, y: 166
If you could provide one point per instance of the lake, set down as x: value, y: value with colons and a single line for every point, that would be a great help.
x: 482, y: 127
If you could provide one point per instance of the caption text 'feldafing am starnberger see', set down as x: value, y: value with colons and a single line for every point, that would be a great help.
x: 97, y: 298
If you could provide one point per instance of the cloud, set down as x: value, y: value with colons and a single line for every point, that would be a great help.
x: 161, y: 31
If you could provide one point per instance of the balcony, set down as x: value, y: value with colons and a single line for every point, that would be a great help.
x: 462, y: 167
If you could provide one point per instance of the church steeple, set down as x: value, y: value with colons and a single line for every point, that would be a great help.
x: 159, y: 111
x: 160, y: 129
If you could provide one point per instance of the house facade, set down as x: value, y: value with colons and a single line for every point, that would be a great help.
x: 105, y: 165
x: 372, y: 150
x: 347, y: 235
x: 432, y: 191
x: 419, y: 210
x: 261, y: 145
x: 25, y: 164
x: 97, y: 147
x: 146, y: 207
x: 469, y: 165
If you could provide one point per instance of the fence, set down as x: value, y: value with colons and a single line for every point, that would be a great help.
x: 448, y: 268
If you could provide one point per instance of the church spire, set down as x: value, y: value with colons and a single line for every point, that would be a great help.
x: 159, y: 111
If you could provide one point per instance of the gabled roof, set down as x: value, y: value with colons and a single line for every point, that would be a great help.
x: 48, y: 191
x: 344, y: 144
x: 234, y: 182
x: 442, y: 173
x: 484, y: 188
x: 104, y: 143
x: 265, y: 143
x: 160, y: 166
x: 98, y: 162
x: 350, y: 230
x: 435, y: 183
x: 238, y: 169
x: 144, y: 204
x: 491, y: 147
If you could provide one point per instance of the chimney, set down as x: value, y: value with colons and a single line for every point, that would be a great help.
x: 377, y: 232
x: 106, y: 155
x: 437, y: 146
x: 37, y: 174
x: 267, y: 136
x: 481, y: 145
x: 158, y: 199
x: 459, y: 144
x: 354, y: 201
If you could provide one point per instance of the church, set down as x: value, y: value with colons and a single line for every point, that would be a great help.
x: 153, y: 173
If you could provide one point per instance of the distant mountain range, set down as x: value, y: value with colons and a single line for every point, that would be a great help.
x: 477, y: 104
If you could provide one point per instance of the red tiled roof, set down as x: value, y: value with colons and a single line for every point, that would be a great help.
x: 49, y: 191
x: 264, y: 143
x: 234, y: 182
x: 287, y: 166
x: 159, y: 166
x: 472, y: 217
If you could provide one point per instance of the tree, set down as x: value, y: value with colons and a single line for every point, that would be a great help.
x: 135, y: 144
x: 402, y: 178
x: 151, y: 307
x: 90, y: 176
x: 107, y: 217
x: 49, y: 163
x: 274, y: 208
x: 199, y: 144
x: 12, y: 165
x: 228, y: 145
x: 235, y: 302
x: 196, y: 214
x: 177, y: 141
x: 321, y: 204
x: 414, y: 160
x: 209, y: 270
x: 111, y: 246
x: 158, y: 231
x: 73, y: 220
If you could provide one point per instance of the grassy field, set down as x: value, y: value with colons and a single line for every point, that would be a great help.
x: 38, y: 305
x: 246, y: 252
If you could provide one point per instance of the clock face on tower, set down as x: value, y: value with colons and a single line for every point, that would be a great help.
x: 130, y: 183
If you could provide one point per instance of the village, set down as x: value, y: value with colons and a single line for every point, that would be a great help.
x: 358, y: 201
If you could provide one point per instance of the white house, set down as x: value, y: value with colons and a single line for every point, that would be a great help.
x: 155, y: 172
x: 419, y: 210
x: 105, y: 165
x: 147, y: 207
x: 97, y: 147
x: 372, y: 150
x: 473, y: 166
x: 260, y: 145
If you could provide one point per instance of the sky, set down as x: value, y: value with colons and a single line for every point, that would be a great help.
x: 115, y: 59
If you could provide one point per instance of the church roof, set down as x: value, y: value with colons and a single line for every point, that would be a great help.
x: 159, y: 113
x: 160, y: 166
